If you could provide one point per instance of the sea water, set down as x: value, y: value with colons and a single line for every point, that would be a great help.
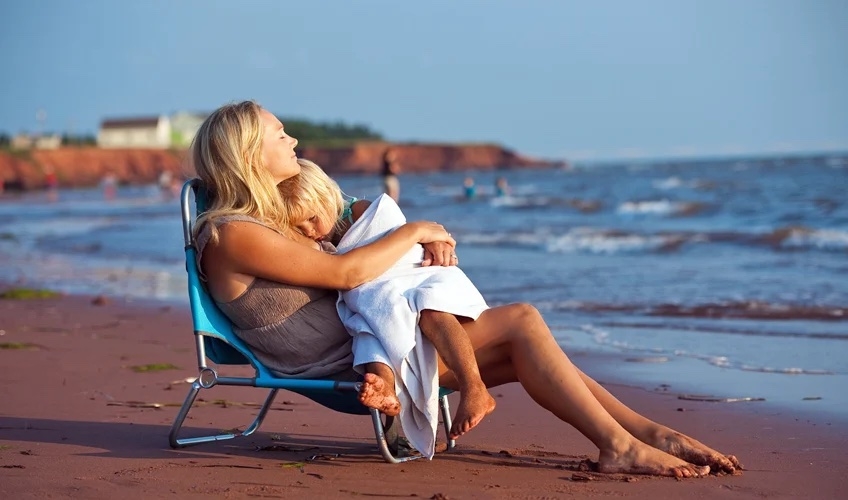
x: 724, y: 280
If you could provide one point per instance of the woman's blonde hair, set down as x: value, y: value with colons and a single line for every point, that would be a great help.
x: 226, y: 153
x: 312, y: 193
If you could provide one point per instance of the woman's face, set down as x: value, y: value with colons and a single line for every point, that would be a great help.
x: 278, y: 148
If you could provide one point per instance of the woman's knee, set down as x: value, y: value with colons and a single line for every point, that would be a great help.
x: 525, y: 316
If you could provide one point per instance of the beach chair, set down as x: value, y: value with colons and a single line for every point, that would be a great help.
x: 216, y: 342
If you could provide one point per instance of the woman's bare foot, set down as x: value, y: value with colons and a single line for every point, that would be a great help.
x: 474, y: 405
x: 640, y: 458
x: 374, y: 392
x: 691, y: 450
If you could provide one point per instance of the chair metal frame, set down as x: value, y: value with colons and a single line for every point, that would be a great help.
x: 216, y: 342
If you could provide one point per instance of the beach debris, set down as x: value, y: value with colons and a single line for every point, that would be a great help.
x: 187, y: 380
x: 18, y: 346
x: 100, y: 300
x: 136, y: 404
x: 12, y: 466
x: 715, y: 399
x: 583, y: 478
x: 281, y: 447
x: 28, y: 294
x: 323, y: 456
x: 293, y: 465
x: 313, y: 474
x: 153, y: 367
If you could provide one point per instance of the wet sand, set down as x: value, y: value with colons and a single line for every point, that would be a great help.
x: 71, y: 426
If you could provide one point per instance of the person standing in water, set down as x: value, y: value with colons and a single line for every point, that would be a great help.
x: 391, y: 167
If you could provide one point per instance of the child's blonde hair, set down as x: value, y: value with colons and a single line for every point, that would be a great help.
x: 312, y: 193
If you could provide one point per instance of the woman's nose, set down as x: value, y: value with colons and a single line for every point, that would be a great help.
x: 293, y: 141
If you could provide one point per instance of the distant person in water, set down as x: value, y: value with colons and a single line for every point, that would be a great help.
x: 51, y: 183
x: 501, y: 187
x: 469, y: 189
x: 391, y: 169
x: 109, y: 183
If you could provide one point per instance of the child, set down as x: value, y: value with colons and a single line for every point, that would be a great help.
x: 322, y: 221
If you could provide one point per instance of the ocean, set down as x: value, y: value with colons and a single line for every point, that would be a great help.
x: 717, y: 280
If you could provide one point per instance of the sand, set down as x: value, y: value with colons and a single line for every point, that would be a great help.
x: 71, y: 426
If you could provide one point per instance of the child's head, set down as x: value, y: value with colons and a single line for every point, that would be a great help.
x: 314, y: 201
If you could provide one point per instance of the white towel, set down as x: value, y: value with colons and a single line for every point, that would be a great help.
x: 382, y: 316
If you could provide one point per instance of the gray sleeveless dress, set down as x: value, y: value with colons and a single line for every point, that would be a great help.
x: 295, y: 331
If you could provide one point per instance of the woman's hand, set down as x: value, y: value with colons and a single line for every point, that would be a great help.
x: 431, y: 232
x: 439, y: 253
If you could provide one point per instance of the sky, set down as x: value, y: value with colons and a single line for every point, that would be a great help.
x: 579, y: 80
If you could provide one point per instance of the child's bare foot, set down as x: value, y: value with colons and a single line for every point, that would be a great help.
x: 691, y: 450
x: 375, y: 392
x: 640, y: 458
x: 474, y: 405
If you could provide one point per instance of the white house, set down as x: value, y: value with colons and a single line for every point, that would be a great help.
x: 184, y: 126
x: 143, y: 132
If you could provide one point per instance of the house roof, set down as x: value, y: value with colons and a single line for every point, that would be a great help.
x: 151, y: 121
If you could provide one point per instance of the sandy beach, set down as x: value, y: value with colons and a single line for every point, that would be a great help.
x: 71, y: 426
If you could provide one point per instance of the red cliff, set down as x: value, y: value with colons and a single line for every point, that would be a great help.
x: 82, y: 167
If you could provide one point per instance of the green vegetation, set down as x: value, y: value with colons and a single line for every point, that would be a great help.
x: 336, y: 134
x: 78, y: 140
x: 154, y: 367
x: 28, y: 294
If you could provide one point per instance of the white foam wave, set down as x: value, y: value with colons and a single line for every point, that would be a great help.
x: 601, y: 242
x: 603, y: 337
x: 823, y: 239
x: 657, y: 207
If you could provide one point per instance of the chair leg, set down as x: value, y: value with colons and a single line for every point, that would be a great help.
x: 176, y: 442
x: 383, y: 437
x: 447, y: 420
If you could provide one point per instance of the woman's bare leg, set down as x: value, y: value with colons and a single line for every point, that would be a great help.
x: 377, y: 389
x: 513, y: 343
x: 660, y: 436
x: 457, y: 354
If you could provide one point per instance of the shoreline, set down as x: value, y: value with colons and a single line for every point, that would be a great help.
x: 71, y: 425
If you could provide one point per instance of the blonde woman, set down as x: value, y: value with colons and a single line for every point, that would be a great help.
x: 278, y: 288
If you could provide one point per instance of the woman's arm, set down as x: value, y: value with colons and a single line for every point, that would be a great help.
x: 436, y: 253
x: 249, y: 249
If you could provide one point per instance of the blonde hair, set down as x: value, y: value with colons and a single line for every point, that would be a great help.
x: 312, y: 193
x: 226, y: 153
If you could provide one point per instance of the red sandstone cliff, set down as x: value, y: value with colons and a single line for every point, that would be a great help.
x: 81, y: 167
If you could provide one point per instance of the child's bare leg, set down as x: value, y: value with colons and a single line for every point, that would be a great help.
x: 378, y: 389
x: 454, y: 347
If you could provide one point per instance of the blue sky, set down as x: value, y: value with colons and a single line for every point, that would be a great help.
x: 553, y: 78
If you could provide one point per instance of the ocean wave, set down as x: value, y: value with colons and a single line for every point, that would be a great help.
x: 603, y: 337
x: 799, y: 237
x: 610, y: 241
x: 662, y: 207
x: 746, y: 309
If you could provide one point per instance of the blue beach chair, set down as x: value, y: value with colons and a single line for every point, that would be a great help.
x: 216, y: 342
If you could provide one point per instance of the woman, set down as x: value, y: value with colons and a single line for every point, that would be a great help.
x: 278, y: 289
